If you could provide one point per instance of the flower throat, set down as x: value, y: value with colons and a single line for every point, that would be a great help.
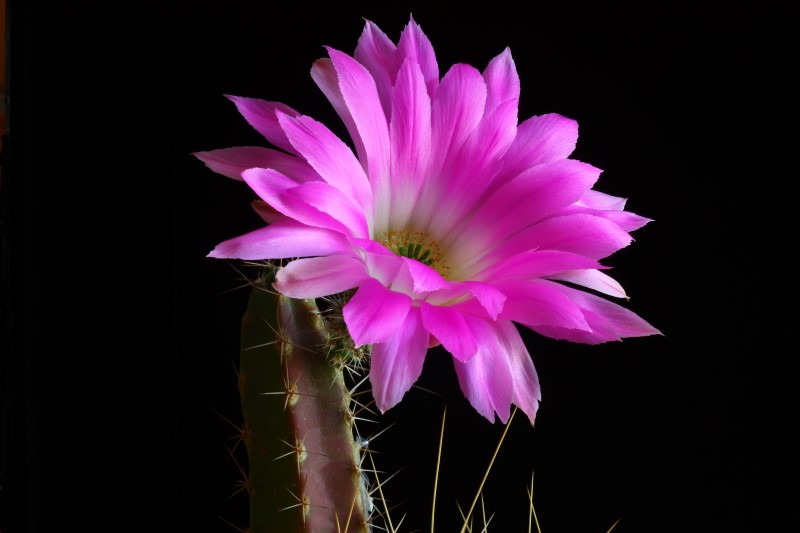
x: 417, y: 245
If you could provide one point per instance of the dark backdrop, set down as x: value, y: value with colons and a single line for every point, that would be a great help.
x: 120, y: 337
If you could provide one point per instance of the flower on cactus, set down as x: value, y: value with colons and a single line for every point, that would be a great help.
x: 451, y: 220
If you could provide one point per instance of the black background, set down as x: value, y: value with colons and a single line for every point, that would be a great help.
x: 120, y: 337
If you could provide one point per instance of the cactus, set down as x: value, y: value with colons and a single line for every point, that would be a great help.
x: 304, y: 470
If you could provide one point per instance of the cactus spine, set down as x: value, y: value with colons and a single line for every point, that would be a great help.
x: 304, y: 470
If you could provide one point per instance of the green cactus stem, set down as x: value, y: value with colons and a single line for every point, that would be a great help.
x: 304, y: 470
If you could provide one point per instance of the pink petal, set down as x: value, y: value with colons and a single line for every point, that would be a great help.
x: 626, y: 220
x: 600, y: 200
x: 502, y: 81
x: 539, y: 140
x: 486, y: 379
x: 261, y: 115
x: 410, y: 134
x: 331, y: 208
x: 534, y: 264
x: 449, y: 328
x: 425, y: 278
x: 397, y: 363
x: 592, y: 279
x: 527, y: 393
x: 330, y: 157
x: 282, y: 240
x: 324, y: 74
x: 472, y: 169
x: 383, y: 266
x: 361, y: 97
x: 269, y: 185
x: 463, y: 294
x: 377, y: 52
x: 489, y: 297
x: 624, y: 322
x: 375, y: 313
x: 525, y: 200
x: 594, y: 237
x: 607, y: 321
x: 415, y: 44
x: 231, y: 162
x: 457, y: 109
x: 538, y: 303
x: 313, y: 203
x: 320, y: 276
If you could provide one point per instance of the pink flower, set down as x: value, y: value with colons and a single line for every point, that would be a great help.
x: 452, y: 220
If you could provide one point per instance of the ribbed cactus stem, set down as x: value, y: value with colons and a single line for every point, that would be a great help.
x: 304, y: 473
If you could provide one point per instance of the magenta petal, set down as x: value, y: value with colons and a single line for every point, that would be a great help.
x: 600, y: 200
x: 450, y: 328
x: 502, y: 81
x: 313, y: 203
x: 361, y: 97
x: 607, y: 321
x: 262, y: 116
x: 377, y: 52
x: 472, y: 297
x: 415, y: 44
x: 527, y: 393
x: 269, y: 185
x: 410, y: 134
x: 457, y: 109
x: 397, y: 363
x: 469, y: 171
x: 425, y: 278
x: 623, y: 322
x: 538, y: 303
x: 539, y: 140
x: 626, y: 220
x: 592, y: 279
x: 282, y: 240
x: 375, y: 313
x: 231, y: 162
x: 331, y: 208
x: 330, y: 157
x: 592, y: 236
x: 324, y: 74
x: 530, y: 197
x: 320, y: 276
x: 534, y: 264
x: 489, y: 297
x: 486, y: 379
x: 383, y: 266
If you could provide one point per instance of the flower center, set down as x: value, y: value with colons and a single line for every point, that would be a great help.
x: 417, y: 245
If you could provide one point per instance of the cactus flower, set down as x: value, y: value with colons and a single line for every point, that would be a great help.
x: 450, y: 219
